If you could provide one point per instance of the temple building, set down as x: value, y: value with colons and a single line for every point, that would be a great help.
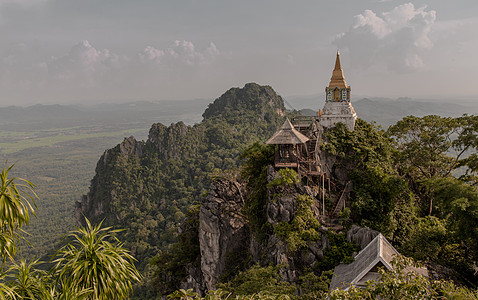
x: 379, y: 253
x: 291, y: 146
x: 298, y: 140
x: 337, y: 106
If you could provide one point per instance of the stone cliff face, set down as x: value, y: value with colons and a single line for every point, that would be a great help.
x: 224, y: 230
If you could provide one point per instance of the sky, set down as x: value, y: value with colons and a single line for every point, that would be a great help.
x: 94, y: 51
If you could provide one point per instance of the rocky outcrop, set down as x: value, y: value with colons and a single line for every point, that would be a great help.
x: 361, y: 235
x: 170, y: 141
x: 194, y: 280
x: 222, y: 228
x: 129, y: 146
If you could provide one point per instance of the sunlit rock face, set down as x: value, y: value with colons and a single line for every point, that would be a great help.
x: 222, y: 228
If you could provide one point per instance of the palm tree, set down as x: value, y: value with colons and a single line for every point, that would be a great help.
x: 29, y: 282
x: 90, y: 261
x: 15, y: 207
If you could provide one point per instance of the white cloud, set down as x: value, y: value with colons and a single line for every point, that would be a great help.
x: 376, y: 25
x: 397, y: 39
x: 83, y: 66
x: 86, y: 66
x: 183, y: 52
x: 151, y: 54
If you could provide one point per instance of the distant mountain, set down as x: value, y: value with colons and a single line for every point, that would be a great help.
x: 53, y: 116
x: 386, y: 112
x: 389, y: 112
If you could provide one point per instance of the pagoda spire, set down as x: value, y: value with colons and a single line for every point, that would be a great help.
x: 337, y: 62
x: 338, y: 79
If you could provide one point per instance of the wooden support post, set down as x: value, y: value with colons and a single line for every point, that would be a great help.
x: 329, y: 185
x: 323, y: 194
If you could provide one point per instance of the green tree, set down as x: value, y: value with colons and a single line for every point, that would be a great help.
x: 29, y: 282
x: 17, y: 201
x: 256, y: 158
x: 259, y: 279
x: 380, y: 198
x: 90, y: 261
x: 457, y: 202
x: 433, y: 147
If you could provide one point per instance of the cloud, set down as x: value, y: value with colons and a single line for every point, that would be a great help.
x: 83, y: 62
x: 396, y: 39
x: 88, y: 71
x: 182, y: 52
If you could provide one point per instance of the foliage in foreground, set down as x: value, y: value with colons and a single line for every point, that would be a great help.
x: 94, y: 265
x: 15, y: 207
x: 91, y: 261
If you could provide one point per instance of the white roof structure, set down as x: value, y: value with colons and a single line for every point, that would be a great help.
x: 287, y: 134
x: 378, y: 253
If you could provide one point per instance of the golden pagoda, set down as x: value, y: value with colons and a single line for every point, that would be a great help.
x: 338, y: 108
x: 338, y: 90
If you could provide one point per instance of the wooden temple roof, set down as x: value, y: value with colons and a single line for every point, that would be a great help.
x: 378, y: 253
x: 287, y: 134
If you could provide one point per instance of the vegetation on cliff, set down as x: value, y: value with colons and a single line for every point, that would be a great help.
x: 416, y: 183
x: 390, y: 194
x: 148, y: 187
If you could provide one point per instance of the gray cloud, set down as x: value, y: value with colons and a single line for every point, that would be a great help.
x: 99, y: 72
x: 397, y: 39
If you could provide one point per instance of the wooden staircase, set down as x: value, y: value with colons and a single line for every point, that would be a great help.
x: 340, y: 203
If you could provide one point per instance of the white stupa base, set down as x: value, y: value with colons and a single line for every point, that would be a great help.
x: 338, y: 112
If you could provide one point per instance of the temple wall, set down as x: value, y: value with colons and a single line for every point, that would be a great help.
x: 338, y: 111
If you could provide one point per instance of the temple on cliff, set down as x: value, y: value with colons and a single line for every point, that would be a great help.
x: 298, y: 140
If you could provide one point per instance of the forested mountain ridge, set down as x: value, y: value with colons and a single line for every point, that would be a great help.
x: 147, y: 187
x: 260, y: 233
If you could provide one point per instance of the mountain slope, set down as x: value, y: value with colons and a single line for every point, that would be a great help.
x: 147, y: 187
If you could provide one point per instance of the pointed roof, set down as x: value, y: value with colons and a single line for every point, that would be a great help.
x: 338, y: 79
x: 287, y: 134
x: 378, y: 253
